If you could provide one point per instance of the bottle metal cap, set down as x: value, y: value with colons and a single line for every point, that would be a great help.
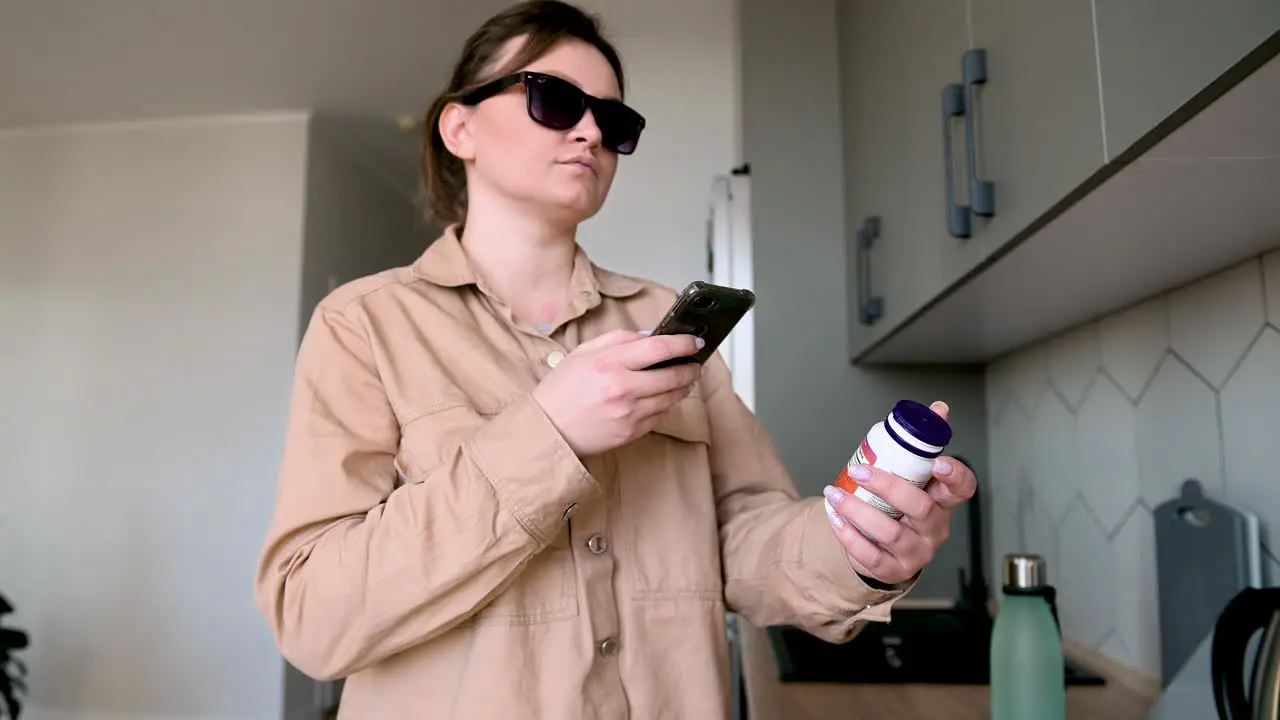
x: 1024, y: 571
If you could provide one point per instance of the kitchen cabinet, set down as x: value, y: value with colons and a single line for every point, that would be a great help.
x: 1155, y: 55
x: 1038, y: 114
x: 1030, y: 129
x: 895, y: 59
x: 1151, y: 225
x: 1054, y: 195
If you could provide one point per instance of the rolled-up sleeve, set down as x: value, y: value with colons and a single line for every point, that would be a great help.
x: 357, y: 565
x: 782, y: 562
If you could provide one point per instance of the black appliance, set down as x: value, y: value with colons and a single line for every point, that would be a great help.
x: 1239, y: 694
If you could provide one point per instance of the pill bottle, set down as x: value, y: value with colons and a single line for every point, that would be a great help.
x: 905, y: 443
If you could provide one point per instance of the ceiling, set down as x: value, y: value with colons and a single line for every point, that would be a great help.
x: 364, y: 63
x: 76, y: 61
x: 361, y: 64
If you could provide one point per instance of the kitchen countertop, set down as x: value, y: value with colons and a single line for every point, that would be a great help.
x: 1123, y: 697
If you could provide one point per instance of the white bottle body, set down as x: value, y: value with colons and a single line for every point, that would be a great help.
x: 909, y: 459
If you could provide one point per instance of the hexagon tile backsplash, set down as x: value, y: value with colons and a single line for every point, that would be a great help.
x: 1092, y: 429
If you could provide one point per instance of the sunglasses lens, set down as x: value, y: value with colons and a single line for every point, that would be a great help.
x: 559, y: 104
x: 619, y: 125
x: 555, y: 103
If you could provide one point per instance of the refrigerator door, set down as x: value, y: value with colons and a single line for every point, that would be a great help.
x: 729, y: 263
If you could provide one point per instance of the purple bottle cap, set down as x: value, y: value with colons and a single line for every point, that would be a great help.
x: 923, y: 423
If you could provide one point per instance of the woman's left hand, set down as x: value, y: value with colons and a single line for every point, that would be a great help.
x: 905, y: 546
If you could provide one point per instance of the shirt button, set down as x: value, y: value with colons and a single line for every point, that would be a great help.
x: 597, y: 544
x: 608, y: 647
x: 554, y: 357
x: 569, y: 511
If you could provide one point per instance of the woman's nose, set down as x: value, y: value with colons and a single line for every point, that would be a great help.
x: 586, y: 130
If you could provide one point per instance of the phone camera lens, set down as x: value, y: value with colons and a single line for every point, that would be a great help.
x: 699, y: 330
x: 703, y: 303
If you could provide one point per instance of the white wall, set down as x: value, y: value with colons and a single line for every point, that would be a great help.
x: 155, y: 280
x: 1093, y: 429
x: 150, y: 284
x: 680, y: 57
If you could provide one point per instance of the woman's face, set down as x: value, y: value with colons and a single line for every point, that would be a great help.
x: 561, y: 175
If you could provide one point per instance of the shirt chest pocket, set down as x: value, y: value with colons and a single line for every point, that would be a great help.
x: 544, y: 588
x: 668, y: 508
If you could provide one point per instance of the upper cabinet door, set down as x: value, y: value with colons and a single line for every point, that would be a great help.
x: 1037, y: 111
x: 1156, y: 55
x: 896, y: 57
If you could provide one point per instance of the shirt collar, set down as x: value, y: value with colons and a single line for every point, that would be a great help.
x: 445, y: 263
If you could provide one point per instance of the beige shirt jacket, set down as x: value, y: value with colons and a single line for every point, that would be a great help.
x: 437, y: 543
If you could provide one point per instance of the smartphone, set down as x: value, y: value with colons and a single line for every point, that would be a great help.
x: 706, y: 311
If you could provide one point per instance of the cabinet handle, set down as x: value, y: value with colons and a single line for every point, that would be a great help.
x: 981, y: 192
x: 870, y: 307
x: 953, y: 107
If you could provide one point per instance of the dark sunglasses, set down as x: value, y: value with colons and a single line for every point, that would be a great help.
x: 559, y: 104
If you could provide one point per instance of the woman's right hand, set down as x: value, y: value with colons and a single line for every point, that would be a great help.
x: 600, y: 397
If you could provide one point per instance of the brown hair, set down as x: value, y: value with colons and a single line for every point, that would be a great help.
x: 543, y: 23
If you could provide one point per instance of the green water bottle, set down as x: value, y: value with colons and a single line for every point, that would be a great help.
x: 1028, y: 670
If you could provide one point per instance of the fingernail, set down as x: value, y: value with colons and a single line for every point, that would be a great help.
x: 861, y: 472
x: 942, y: 466
x: 646, y: 332
x: 837, y: 522
x: 940, y: 407
x: 834, y: 494
x: 700, y: 343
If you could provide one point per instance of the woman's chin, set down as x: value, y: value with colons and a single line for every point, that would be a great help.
x: 572, y: 208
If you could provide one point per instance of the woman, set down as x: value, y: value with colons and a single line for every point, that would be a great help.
x: 487, y: 508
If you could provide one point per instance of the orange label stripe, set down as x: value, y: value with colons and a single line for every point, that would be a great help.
x: 846, y: 483
x: 868, y: 457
